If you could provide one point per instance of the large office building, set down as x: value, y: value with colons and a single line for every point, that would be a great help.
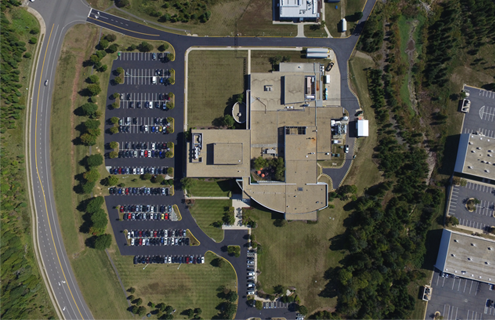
x: 476, y: 156
x: 287, y: 118
x: 299, y: 10
x: 467, y: 256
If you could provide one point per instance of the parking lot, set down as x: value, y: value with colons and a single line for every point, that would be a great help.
x: 458, y: 298
x: 141, y: 56
x: 187, y: 259
x: 275, y: 304
x: 145, y: 76
x: 482, y: 217
x: 481, y: 117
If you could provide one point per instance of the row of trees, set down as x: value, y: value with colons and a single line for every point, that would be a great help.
x: 12, y: 99
x: 177, y: 11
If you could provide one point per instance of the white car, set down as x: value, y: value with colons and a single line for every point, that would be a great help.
x: 132, y: 242
x: 46, y: 81
x: 128, y: 235
x: 202, y: 259
x: 153, y: 146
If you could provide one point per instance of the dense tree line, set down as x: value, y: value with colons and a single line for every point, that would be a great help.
x: 385, y: 241
x: 23, y: 291
x: 12, y: 54
x: 96, y: 222
x: 372, y: 36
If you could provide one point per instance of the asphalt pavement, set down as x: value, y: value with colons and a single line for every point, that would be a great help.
x: 59, y: 16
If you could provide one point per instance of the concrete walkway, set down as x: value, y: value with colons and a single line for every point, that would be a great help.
x: 300, y: 31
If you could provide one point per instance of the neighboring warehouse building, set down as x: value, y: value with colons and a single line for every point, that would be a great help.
x: 476, y: 156
x: 299, y: 10
x: 467, y: 256
x: 285, y: 118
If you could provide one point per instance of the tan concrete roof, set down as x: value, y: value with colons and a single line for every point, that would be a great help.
x: 222, y: 138
x: 227, y: 153
x: 293, y: 88
x: 469, y: 256
x: 479, y: 158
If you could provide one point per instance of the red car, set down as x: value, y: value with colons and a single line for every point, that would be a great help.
x: 126, y: 190
x: 154, y: 234
x: 187, y: 260
x: 129, y: 216
x: 120, y: 170
x: 121, y: 208
x: 166, y: 216
x: 145, y: 153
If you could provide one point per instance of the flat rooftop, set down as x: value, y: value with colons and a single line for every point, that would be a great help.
x: 476, y: 156
x: 227, y: 153
x: 298, y: 9
x: 224, y: 154
x: 467, y: 256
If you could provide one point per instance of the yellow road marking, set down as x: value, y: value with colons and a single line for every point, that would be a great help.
x: 146, y: 34
x: 37, y: 172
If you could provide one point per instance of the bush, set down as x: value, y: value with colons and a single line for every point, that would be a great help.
x: 120, y: 70
x: 170, y: 106
x: 259, y: 305
x: 119, y: 79
x: 27, y: 55
x: 113, y: 154
x: 303, y: 310
x: 145, y: 47
x: 146, y: 176
x: 170, y: 171
x: 88, y: 187
x: 132, y: 47
x: 103, y: 242
x: 111, y: 180
x: 33, y: 40
x: 94, y: 89
x: 158, y: 178
x: 94, y: 160
x: 114, y: 130
x: 115, y: 105
x: 110, y: 37
x: 163, y: 47
x: 114, y: 145
x: 35, y: 30
x: 103, y: 68
x: 171, y: 57
x: 93, y: 79
x: 114, y: 120
x: 122, y: 3
x: 103, y: 44
x: 198, y: 311
x: 113, y: 48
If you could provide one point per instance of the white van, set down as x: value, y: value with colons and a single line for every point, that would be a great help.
x: 153, y: 80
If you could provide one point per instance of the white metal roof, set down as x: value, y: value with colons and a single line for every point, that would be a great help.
x: 298, y: 8
x: 362, y: 128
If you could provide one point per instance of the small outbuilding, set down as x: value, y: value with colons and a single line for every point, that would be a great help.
x: 362, y: 128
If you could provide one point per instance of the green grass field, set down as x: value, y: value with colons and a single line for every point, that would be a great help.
x: 205, y: 212
x: 344, y: 8
x: 298, y: 254
x: 184, y: 287
x: 210, y: 188
x: 214, y: 77
x: 317, y: 33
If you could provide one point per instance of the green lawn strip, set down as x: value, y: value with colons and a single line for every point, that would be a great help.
x: 257, y: 20
x: 184, y: 287
x: 404, y: 27
x: 99, y: 282
x: 298, y: 254
x: 204, y: 188
x: 364, y: 146
x: 333, y: 17
x: 206, y: 212
x: 214, y: 77
x: 310, y: 32
x: 404, y: 93
x: 100, y: 4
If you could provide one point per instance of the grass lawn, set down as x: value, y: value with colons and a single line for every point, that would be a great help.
x: 257, y: 20
x: 298, y: 254
x: 190, y: 286
x: 214, y: 77
x: 210, y: 188
x: 345, y: 8
x: 310, y: 33
x: 100, y: 4
x: 205, y: 212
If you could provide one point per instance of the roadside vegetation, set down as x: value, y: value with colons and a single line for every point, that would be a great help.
x: 24, y: 294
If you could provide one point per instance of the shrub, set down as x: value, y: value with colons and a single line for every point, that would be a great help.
x: 33, y: 40
x: 259, y: 305
x: 110, y: 37
x: 114, y: 130
x: 171, y: 57
x: 146, y: 176
x: 103, y: 44
x: 145, y: 47
x: 163, y: 47
x: 115, y: 105
x: 114, y: 145
x: 35, y: 30
x: 27, y: 55
x: 111, y: 180
x: 120, y: 70
x: 113, y: 48
x: 113, y: 155
x: 93, y: 79
x: 170, y: 171
x: 94, y: 89
x: 114, y: 120
x: 103, y: 68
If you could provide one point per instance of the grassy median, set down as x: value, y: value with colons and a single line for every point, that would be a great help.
x: 210, y: 188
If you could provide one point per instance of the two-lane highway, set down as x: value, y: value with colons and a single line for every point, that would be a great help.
x: 58, y: 17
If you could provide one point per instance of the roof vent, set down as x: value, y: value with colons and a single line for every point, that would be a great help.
x: 473, y: 244
x: 455, y: 240
x: 470, y: 259
x: 470, y: 167
x: 453, y: 255
x: 486, y: 170
x: 479, y: 148
x: 470, y: 142
x: 486, y: 262
x: 490, y: 248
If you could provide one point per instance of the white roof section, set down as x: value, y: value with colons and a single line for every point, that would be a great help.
x: 467, y: 256
x: 299, y: 9
x: 476, y: 156
x: 362, y: 128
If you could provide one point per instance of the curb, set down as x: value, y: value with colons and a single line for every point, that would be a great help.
x: 33, y: 211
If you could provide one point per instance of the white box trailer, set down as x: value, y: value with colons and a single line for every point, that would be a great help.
x: 344, y: 25
x: 317, y: 50
x: 327, y: 79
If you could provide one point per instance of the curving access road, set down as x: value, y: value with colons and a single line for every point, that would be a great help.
x: 58, y: 17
